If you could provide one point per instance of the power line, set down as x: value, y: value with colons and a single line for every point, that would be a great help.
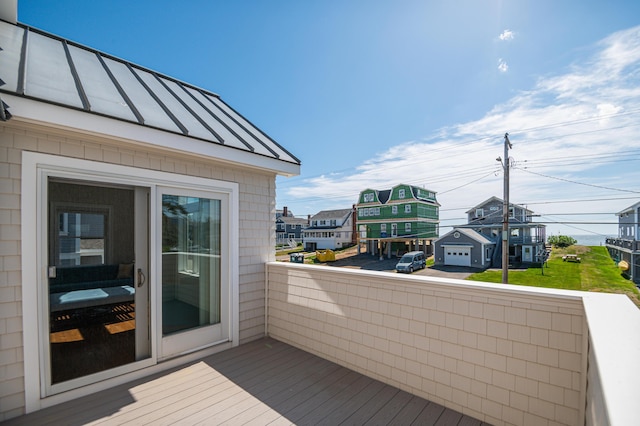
x: 579, y: 183
x: 520, y: 132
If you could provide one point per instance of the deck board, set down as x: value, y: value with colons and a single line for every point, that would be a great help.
x: 262, y: 382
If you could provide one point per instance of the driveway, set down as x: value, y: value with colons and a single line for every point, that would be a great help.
x: 373, y: 263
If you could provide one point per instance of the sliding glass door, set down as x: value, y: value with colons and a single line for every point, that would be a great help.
x: 96, y: 294
x: 133, y: 267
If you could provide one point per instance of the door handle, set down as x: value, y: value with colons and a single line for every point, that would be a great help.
x: 141, y: 277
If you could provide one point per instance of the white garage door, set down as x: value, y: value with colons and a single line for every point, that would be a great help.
x: 458, y: 256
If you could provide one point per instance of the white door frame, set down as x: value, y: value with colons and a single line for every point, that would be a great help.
x: 36, y: 168
x: 201, y: 337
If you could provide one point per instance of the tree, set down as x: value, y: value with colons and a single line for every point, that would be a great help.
x: 561, y: 241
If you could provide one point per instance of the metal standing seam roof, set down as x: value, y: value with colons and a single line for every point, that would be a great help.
x: 44, y: 67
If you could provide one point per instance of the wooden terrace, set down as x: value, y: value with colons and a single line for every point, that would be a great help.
x: 258, y: 383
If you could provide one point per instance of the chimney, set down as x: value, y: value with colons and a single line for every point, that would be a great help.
x: 9, y: 11
x: 285, y: 211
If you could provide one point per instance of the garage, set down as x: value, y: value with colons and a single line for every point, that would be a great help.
x: 457, y: 255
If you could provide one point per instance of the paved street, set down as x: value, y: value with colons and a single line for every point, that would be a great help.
x: 373, y: 263
x: 350, y: 259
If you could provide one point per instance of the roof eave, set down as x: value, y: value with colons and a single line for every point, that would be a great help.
x: 31, y: 111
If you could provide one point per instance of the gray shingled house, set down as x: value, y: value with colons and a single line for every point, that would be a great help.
x: 135, y: 223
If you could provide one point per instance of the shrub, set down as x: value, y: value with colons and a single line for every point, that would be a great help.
x: 561, y: 241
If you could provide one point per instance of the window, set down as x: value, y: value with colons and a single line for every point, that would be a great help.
x: 383, y: 227
x: 81, y: 238
x: 401, y: 193
x: 407, y: 227
x: 479, y: 212
x: 394, y: 209
x: 368, y: 197
x: 407, y: 208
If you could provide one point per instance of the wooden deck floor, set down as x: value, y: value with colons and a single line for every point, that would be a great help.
x: 259, y: 383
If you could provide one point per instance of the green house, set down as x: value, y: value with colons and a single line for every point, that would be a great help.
x: 397, y: 220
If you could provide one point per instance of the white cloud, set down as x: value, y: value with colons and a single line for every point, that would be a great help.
x: 502, y: 65
x: 506, y: 35
x: 580, y: 126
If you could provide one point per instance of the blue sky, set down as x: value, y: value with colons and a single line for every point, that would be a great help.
x: 370, y: 94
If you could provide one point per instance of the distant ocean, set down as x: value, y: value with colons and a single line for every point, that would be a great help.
x: 589, y: 240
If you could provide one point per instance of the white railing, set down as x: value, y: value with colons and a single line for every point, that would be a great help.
x: 500, y: 353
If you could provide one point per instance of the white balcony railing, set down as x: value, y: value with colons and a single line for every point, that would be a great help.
x: 500, y: 353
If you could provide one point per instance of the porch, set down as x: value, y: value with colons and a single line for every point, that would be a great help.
x: 261, y: 382
x: 351, y: 346
x: 623, y: 243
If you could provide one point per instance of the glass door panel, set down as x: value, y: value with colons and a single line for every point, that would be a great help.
x: 192, y: 272
x: 92, y: 283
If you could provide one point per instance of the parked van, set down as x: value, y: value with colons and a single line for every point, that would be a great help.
x: 411, y: 261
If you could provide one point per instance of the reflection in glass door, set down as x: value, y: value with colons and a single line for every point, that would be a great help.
x: 191, y: 272
x: 93, y: 278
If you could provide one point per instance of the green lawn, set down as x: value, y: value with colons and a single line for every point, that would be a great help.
x: 595, y: 272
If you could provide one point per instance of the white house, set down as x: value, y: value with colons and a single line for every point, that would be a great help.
x: 330, y: 229
x: 136, y: 218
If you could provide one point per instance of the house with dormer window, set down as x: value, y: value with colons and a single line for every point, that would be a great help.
x: 329, y: 229
x: 526, y: 238
x: 397, y: 220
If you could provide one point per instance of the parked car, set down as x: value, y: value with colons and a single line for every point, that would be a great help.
x: 411, y: 261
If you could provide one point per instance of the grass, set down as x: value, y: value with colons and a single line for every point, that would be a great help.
x: 596, y: 272
x: 289, y: 250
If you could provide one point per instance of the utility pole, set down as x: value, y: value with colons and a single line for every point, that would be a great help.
x: 505, y: 212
